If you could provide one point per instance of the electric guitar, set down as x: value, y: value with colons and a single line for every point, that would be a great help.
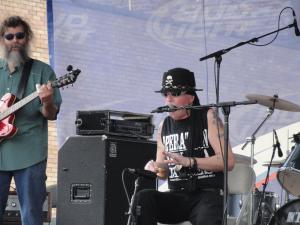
x: 7, y: 106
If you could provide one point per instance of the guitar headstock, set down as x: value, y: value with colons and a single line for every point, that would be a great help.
x: 68, y: 78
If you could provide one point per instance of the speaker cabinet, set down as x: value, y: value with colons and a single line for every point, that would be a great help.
x: 90, y: 188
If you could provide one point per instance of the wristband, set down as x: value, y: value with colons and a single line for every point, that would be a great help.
x: 195, y: 165
x: 191, y: 162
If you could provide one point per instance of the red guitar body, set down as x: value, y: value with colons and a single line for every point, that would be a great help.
x: 7, y: 129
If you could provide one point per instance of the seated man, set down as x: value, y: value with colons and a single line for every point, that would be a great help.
x: 190, y: 148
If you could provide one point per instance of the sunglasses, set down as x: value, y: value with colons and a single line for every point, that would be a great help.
x: 173, y: 92
x: 10, y: 36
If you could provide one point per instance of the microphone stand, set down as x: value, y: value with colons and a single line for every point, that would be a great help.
x: 218, y: 54
x: 218, y: 59
x: 226, y: 112
x: 256, y: 39
x: 252, y: 140
x: 131, y: 219
x: 260, y: 211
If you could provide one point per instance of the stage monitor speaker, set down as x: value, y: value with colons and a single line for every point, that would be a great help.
x: 90, y: 189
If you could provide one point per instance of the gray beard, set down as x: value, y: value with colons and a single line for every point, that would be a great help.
x: 13, y: 58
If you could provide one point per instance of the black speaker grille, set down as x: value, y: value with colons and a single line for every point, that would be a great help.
x: 89, y: 178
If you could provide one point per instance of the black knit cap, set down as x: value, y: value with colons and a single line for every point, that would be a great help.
x: 178, y: 78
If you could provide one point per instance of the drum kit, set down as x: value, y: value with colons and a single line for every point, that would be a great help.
x: 288, y: 176
x: 264, y: 205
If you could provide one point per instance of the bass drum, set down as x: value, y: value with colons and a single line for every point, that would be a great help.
x: 287, y: 214
x: 289, y: 174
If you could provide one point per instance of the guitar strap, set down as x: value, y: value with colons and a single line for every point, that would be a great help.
x: 24, y: 78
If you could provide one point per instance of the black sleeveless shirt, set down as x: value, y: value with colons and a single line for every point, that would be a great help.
x: 189, y: 137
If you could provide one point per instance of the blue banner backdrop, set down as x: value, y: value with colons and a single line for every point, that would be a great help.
x: 124, y: 46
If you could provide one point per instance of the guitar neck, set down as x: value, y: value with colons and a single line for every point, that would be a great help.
x: 68, y: 78
x: 18, y: 105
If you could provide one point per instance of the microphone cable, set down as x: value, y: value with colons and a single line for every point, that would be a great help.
x: 278, y: 26
x: 124, y: 185
x: 129, y: 213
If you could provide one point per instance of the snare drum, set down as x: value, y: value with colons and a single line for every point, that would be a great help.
x: 287, y: 214
x: 289, y: 174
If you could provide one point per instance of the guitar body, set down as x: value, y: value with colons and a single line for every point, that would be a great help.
x: 7, y: 129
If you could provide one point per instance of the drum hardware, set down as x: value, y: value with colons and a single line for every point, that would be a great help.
x: 268, y: 202
x: 269, y: 205
x: 264, y: 211
x: 218, y: 59
x: 274, y: 101
x: 278, y: 164
x: 252, y: 140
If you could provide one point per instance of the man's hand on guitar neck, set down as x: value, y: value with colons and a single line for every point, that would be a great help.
x: 45, y: 92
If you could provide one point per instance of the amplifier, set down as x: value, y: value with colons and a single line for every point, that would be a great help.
x: 12, y: 211
x: 118, y: 123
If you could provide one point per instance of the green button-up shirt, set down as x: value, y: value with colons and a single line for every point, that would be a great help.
x: 30, y: 144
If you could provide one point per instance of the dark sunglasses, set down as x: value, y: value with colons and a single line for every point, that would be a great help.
x: 173, y: 92
x: 10, y: 36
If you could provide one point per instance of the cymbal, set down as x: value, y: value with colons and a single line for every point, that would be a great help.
x: 275, y: 163
x: 269, y: 102
x: 243, y: 159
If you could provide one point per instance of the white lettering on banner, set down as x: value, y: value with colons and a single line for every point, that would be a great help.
x: 69, y: 28
x: 180, y: 25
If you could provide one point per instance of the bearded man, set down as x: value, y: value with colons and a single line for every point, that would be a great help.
x: 24, y: 135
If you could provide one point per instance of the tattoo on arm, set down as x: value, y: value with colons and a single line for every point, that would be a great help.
x: 216, y: 119
x: 221, y: 135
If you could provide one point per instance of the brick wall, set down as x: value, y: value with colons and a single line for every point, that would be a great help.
x: 35, y: 12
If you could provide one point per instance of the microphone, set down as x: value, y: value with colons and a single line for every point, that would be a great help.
x: 297, y: 32
x: 278, y: 144
x: 166, y: 108
x: 143, y: 173
x: 69, y: 68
